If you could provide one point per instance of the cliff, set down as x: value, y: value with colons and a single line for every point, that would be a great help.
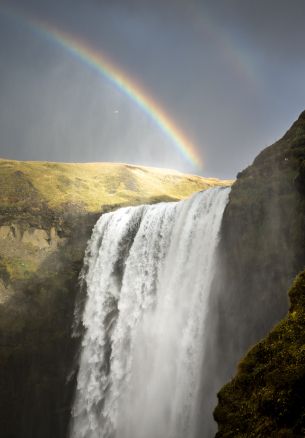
x: 262, y: 250
x: 266, y: 398
x: 47, y: 211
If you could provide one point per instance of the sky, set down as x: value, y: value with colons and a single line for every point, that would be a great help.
x: 227, y: 75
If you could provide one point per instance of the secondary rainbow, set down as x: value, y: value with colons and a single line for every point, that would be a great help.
x: 101, y: 63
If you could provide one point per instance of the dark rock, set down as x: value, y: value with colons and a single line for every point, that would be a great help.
x: 266, y: 398
x: 262, y: 249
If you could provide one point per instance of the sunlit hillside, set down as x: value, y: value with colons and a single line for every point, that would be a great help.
x: 91, y: 186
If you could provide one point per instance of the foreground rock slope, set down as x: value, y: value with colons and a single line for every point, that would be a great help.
x: 266, y: 398
x: 47, y: 211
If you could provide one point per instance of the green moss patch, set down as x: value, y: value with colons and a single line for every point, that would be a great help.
x: 267, y: 396
x: 15, y: 268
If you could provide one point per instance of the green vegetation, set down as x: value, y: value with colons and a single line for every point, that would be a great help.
x: 16, y: 268
x: 41, y: 198
x: 89, y: 187
x: 266, y: 398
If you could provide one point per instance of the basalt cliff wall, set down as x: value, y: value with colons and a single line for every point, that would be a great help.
x: 262, y: 250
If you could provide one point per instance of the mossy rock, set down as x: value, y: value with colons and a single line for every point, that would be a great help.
x: 267, y: 396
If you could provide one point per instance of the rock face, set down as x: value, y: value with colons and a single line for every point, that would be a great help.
x: 47, y: 212
x: 262, y: 249
x: 266, y: 398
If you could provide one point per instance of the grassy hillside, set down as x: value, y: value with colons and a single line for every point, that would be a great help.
x: 42, y: 204
x: 92, y: 186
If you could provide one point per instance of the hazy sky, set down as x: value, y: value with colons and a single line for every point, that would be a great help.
x: 229, y: 73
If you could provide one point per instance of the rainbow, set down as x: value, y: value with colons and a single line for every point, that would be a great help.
x: 98, y: 61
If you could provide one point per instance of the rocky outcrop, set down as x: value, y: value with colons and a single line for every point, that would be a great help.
x: 266, y: 398
x: 47, y: 211
x: 262, y: 250
x: 36, y: 237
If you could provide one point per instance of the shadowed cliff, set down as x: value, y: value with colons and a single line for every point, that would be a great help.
x: 261, y: 251
x: 266, y: 398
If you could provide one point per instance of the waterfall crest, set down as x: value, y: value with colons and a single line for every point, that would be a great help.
x: 148, y: 273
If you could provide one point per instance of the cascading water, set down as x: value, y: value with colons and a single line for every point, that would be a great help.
x: 148, y: 275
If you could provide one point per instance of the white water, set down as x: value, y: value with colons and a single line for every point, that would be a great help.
x: 148, y: 275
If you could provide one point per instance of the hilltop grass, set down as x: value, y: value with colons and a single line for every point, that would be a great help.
x: 70, y: 197
x: 90, y: 186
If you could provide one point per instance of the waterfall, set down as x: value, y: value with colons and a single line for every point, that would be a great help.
x: 148, y: 273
